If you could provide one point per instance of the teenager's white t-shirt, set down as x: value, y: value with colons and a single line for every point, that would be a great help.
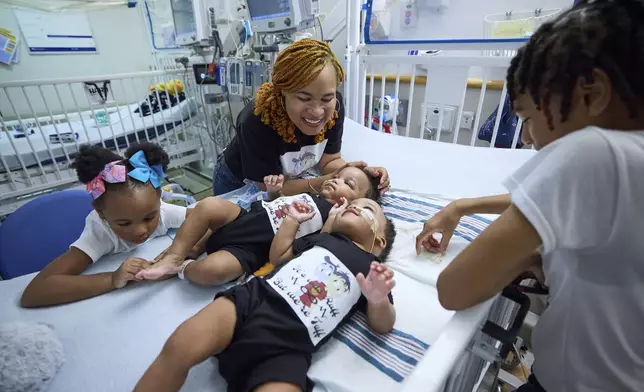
x: 584, y: 194
x: 98, y: 240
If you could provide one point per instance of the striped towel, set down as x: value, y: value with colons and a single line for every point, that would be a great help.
x: 358, y: 359
x: 395, y: 354
x: 409, y: 211
x: 412, y: 208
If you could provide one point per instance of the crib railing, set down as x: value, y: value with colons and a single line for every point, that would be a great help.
x: 441, y: 97
x: 44, y: 122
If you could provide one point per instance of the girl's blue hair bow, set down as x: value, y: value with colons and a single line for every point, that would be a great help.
x: 144, y: 172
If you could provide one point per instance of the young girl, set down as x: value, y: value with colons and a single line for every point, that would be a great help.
x: 264, y: 332
x: 578, y: 87
x: 127, y: 212
x: 294, y: 124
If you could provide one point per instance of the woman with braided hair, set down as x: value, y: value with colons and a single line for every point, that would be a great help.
x: 576, y: 206
x: 293, y: 125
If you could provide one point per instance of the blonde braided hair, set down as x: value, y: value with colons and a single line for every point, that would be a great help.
x: 296, y: 67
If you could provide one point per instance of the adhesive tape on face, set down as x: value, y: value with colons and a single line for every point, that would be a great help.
x: 367, y: 214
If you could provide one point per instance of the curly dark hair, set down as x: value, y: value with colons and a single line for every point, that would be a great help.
x: 594, y: 34
x: 91, y: 160
x: 373, y: 192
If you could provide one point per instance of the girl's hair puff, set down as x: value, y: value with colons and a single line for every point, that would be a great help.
x: 91, y: 160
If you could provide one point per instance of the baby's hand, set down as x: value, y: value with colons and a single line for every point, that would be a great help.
x: 339, y: 207
x: 300, y: 211
x: 378, y: 283
x: 274, y: 183
x: 127, y: 271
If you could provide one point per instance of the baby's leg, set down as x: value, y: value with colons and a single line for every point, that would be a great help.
x: 210, y: 213
x: 283, y: 372
x: 217, y: 268
x: 203, y: 335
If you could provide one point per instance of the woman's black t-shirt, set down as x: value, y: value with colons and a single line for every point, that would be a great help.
x: 257, y: 150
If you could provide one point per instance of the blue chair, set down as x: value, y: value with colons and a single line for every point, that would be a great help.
x: 41, y: 230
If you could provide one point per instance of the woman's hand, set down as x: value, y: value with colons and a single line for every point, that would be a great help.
x: 128, y: 270
x: 378, y: 283
x: 444, y: 222
x: 359, y: 164
x: 300, y: 211
x: 383, y: 174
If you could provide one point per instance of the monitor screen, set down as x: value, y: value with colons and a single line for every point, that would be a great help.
x: 183, y: 16
x: 268, y: 9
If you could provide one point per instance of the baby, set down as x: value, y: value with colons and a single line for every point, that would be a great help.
x: 240, y: 239
x: 265, y: 331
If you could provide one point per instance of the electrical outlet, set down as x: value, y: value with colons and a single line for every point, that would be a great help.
x: 467, y: 120
x: 433, y: 117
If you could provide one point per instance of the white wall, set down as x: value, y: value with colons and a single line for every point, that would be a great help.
x: 121, y: 37
x: 464, y: 18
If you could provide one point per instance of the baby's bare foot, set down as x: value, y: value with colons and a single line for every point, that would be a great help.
x: 168, y: 266
x: 157, y: 273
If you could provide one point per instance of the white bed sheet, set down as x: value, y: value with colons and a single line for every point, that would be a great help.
x: 425, y: 166
x: 110, y: 340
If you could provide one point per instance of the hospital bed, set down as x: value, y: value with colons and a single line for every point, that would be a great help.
x: 111, y: 339
x: 43, y: 123
x: 435, y: 173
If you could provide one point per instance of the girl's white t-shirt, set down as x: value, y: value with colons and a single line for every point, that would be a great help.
x: 98, y: 239
x: 584, y: 195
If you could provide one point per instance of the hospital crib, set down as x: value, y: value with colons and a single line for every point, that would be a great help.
x: 45, y: 121
x: 436, y: 92
x: 448, y: 81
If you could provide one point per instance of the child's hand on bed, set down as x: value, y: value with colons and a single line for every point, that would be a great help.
x: 127, y: 271
x: 445, y: 223
x: 378, y: 283
x: 300, y: 211
x: 274, y: 183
